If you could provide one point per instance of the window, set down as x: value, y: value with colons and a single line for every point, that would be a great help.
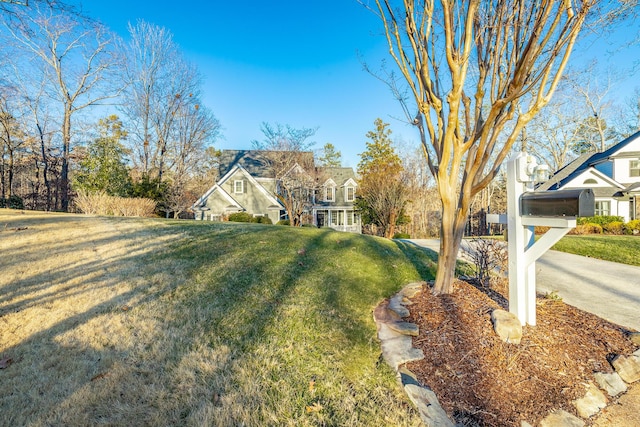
x: 603, y: 207
x: 329, y: 194
x: 350, y: 194
x: 634, y: 168
x: 238, y: 187
x: 590, y: 181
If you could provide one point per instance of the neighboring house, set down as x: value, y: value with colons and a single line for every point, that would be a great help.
x: 613, y: 175
x: 247, y: 184
x: 334, y: 201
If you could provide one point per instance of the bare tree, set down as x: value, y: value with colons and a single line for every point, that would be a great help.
x: 477, y: 72
x: 161, y: 88
x: 286, y: 151
x: 77, y: 56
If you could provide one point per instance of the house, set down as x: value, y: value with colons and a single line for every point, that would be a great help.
x: 613, y: 175
x: 247, y: 184
x: 333, y: 205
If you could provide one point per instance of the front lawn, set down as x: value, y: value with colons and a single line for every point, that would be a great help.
x: 150, y: 322
x: 622, y: 249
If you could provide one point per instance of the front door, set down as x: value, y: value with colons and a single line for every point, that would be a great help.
x: 320, y: 218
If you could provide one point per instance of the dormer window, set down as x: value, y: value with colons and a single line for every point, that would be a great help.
x: 634, y: 168
x: 349, y: 194
x: 329, y: 194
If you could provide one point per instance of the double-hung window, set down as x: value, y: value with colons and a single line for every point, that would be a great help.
x: 350, y: 194
x: 634, y: 168
x: 329, y: 194
x: 603, y: 207
x: 238, y: 186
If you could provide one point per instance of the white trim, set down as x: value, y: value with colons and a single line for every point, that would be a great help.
x: 578, y: 180
x: 350, y: 183
x: 346, y: 194
x: 329, y: 190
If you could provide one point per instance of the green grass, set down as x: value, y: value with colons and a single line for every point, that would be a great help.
x: 622, y: 249
x: 147, y: 322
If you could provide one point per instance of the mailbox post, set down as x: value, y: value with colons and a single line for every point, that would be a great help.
x: 525, y: 210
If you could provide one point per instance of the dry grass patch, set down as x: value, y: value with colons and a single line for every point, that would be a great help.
x: 122, y: 321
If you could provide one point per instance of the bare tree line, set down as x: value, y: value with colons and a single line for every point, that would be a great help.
x: 62, y: 71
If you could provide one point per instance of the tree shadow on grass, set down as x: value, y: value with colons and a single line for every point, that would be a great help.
x: 194, y: 326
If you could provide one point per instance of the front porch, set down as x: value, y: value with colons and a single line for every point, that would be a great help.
x: 338, y: 218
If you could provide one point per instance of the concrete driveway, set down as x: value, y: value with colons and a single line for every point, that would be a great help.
x: 607, y: 289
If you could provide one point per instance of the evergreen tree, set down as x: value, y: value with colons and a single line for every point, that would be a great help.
x: 383, y: 188
x: 330, y: 157
x: 105, y: 168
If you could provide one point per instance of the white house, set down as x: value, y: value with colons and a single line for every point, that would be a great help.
x: 613, y: 175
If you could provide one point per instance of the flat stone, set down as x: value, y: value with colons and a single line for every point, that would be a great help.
x: 561, y: 419
x: 396, y: 304
x: 398, y: 351
x: 507, y: 326
x: 387, y: 333
x: 405, y: 328
x: 628, y: 367
x: 591, y: 403
x: 426, y: 402
x: 611, y: 383
x: 382, y: 313
x: 412, y: 289
x: 635, y: 337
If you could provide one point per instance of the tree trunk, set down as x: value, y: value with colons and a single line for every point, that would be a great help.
x: 64, y: 173
x: 45, y: 169
x: 451, y: 233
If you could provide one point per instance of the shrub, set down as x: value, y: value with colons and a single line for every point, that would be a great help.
x: 262, y: 220
x: 602, y: 220
x: 614, y: 227
x: 401, y: 236
x: 13, y: 202
x: 101, y: 203
x: 283, y: 222
x: 589, y: 228
x: 241, y: 217
x: 632, y: 227
x: 540, y: 229
x: 308, y: 225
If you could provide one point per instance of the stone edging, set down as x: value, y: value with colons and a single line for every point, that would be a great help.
x: 395, y: 337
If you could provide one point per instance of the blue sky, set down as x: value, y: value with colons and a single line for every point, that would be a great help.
x: 288, y: 62
x: 293, y: 62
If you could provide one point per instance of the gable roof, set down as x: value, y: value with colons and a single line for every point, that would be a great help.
x: 340, y: 176
x: 256, y: 162
x: 217, y: 187
x: 582, y: 163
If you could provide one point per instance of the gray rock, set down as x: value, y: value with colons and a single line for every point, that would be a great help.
x: 382, y: 313
x: 426, y: 402
x: 396, y: 304
x: 628, y: 367
x: 561, y: 419
x: 591, y: 403
x: 611, y: 383
x: 507, y: 326
x: 413, y: 289
x: 405, y: 328
x: 397, y: 349
x: 387, y: 333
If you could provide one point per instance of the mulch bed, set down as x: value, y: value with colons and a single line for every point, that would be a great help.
x: 482, y: 381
